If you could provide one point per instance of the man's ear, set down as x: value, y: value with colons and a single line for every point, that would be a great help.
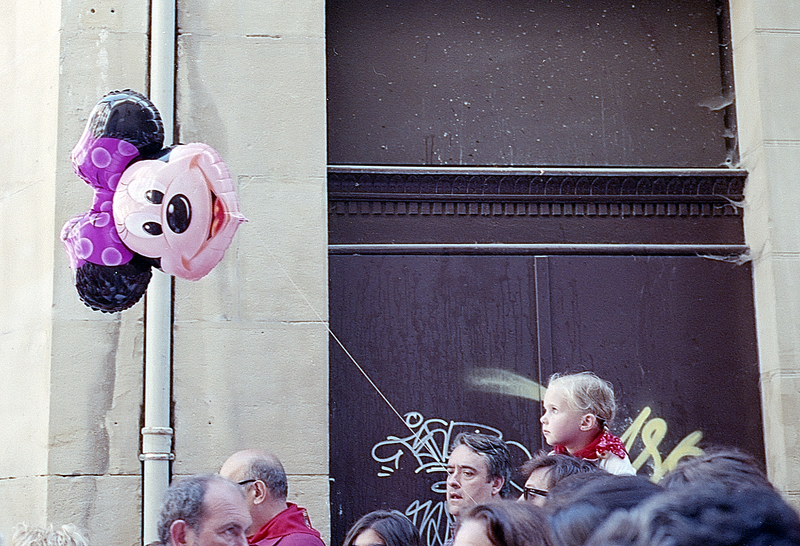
x: 180, y: 533
x: 497, y: 485
x: 588, y: 422
x: 260, y: 492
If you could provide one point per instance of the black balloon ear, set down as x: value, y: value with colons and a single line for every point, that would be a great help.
x: 113, y: 289
x: 129, y: 116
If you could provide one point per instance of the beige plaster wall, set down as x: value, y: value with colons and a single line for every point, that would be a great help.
x: 250, y: 342
x: 71, y: 387
x: 29, y: 46
x: 96, y: 361
x: 251, y: 346
x: 766, y: 41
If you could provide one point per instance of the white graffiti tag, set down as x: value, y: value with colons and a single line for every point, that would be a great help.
x: 427, y: 448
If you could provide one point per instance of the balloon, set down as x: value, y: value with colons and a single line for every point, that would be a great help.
x: 173, y: 208
x: 181, y: 208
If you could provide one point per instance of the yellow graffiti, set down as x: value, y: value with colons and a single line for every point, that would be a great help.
x: 652, y: 432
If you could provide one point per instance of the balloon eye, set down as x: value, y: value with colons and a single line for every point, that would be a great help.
x: 153, y: 228
x: 154, y: 196
x: 179, y: 214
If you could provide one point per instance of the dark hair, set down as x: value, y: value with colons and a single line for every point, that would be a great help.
x: 269, y: 470
x: 512, y: 523
x: 496, y: 452
x: 579, y: 504
x: 705, y: 513
x: 560, y: 466
x: 184, y: 501
x: 730, y: 467
x: 393, y: 527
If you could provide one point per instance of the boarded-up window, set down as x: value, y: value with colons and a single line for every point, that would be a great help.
x: 514, y: 82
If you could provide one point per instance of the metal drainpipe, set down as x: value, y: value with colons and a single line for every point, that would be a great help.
x: 157, y: 433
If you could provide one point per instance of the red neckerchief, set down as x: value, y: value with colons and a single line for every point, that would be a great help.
x: 292, y: 520
x: 604, y: 443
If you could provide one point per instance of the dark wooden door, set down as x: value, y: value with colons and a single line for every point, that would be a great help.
x: 425, y: 330
x: 457, y: 343
x: 459, y: 284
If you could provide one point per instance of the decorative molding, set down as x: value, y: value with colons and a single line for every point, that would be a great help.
x: 534, y: 192
x: 730, y: 253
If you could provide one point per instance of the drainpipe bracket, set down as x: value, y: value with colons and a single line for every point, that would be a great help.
x: 157, y: 444
x: 157, y: 457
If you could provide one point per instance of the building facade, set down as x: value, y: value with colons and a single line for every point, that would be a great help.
x: 250, y: 341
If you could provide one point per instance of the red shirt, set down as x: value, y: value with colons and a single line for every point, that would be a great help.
x: 292, y: 527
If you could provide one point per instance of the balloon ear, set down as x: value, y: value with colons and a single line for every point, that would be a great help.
x: 129, y: 116
x: 113, y: 289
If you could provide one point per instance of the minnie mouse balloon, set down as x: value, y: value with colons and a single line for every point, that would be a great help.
x: 180, y: 208
x: 172, y: 208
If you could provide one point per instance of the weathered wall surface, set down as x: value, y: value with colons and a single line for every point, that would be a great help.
x: 251, y: 345
x: 766, y: 42
x: 29, y: 50
x: 93, y: 472
x: 250, y: 338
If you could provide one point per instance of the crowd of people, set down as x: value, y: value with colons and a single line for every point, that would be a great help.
x: 583, y: 492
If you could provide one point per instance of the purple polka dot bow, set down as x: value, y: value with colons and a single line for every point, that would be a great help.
x: 92, y: 236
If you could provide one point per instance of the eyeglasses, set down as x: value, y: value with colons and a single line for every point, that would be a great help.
x: 245, y: 482
x: 528, y: 492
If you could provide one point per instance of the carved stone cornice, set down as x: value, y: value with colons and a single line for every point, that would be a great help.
x: 534, y: 192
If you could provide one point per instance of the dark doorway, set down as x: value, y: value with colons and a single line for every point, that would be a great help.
x: 459, y: 281
x: 462, y: 342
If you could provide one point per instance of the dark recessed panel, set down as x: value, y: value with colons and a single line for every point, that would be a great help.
x: 433, y: 334
x: 676, y: 335
x: 512, y: 82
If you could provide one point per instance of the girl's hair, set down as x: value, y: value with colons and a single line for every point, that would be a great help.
x: 512, y: 523
x: 393, y: 527
x: 588, y: 393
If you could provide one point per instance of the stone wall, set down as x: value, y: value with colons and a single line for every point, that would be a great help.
x: 250, y: 340
x: 251, y: 349
x: 766, y: 42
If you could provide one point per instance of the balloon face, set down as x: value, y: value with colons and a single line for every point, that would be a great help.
x: 183, y: 211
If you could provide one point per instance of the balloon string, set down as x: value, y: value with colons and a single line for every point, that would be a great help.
x: 417, y: 434
x: 339, y: 342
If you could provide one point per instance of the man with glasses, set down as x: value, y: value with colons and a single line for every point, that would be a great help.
x: 543, y: 471
x: 275, y: 521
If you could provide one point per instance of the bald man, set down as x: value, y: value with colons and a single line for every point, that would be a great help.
x: 275, y: 521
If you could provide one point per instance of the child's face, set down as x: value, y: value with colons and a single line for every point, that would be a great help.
x: 561, y: 424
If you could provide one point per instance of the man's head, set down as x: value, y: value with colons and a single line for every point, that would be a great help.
x: 727, y: 466
x: 261, y: 475
x: 544, y: 471
x: 704, y: 512
x: 203, y: 510
x: 478, y: 471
